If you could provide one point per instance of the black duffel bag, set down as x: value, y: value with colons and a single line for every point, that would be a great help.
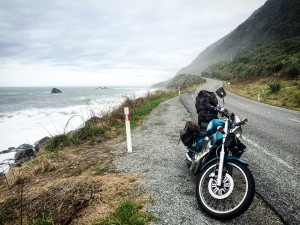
x: 187, y: 135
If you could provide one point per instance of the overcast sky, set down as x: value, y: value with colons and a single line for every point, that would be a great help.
x: 109, y: 42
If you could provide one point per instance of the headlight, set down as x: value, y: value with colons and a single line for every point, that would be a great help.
x: 237, y: 131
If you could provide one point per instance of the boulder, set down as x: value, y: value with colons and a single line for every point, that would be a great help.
x: 23, y: 146
x: 55, y: 91
x: 5, y: 151
x: 10, y: 149
x: 24, y: 153
x: 38, y: 144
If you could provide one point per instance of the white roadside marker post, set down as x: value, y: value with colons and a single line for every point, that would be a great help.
x: 128, y: 132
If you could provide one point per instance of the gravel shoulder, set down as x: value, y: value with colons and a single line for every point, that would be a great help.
x: 167, y: 179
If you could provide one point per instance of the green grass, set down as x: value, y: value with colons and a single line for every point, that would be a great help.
x: 183, y: 81
x: 278, y: 92
x: 42, y: 222
x: 128, y: 213
x: 111, y: 124
x: 139, y: 115
x: 281, y: 58
x: 270, y: 73
x: 57, y: 142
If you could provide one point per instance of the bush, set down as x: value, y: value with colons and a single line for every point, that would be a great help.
x: 274, y: 88
x: 57, y: 142
x: 291, y: 71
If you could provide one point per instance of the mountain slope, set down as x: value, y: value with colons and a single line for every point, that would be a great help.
x: 180, y: 81
x: 275, y: 20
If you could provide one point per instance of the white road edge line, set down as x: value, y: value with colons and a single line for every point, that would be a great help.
x: 275, y: 157
x: 244, y: 105
x: 295, y: 120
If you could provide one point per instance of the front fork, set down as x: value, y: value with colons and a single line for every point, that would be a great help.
x: 222, y: 155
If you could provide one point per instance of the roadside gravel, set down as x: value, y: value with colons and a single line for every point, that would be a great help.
x: 157, y: 154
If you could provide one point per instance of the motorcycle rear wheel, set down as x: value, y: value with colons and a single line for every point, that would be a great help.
x: 230, y: 200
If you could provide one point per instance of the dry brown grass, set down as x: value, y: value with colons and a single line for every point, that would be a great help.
x: 74, y: 181
x: 74, y: 186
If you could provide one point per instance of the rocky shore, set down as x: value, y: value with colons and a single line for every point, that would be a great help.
x: 21, y: 154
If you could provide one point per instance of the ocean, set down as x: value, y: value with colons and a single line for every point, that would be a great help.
x: 27, y: 114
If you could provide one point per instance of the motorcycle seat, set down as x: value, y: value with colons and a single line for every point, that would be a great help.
x: 203, y: 126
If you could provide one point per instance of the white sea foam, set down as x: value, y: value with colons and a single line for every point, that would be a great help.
x: 30, y: 125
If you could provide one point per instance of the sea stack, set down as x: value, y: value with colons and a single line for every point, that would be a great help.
x: 55, y: 91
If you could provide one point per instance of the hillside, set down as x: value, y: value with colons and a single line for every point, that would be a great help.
x: 279, y: 59
x: 276, y: 20
x: 270, y: 74
x: 180, y: 81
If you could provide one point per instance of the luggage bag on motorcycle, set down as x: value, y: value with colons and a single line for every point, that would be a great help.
x: 188, y: 133
x: 204, y: 101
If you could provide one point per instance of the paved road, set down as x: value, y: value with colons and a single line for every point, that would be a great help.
x: 167, y: 179
x: 272, y: 136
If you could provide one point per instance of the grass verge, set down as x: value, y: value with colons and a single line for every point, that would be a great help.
x: 274, y: 91
x: 109, y: 124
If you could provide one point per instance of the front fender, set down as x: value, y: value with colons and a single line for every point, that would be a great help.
x: 226, y: 159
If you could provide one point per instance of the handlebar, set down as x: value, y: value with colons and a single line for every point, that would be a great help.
x: 228, y: 114
x: 223, y: 111
x: 242, y: 122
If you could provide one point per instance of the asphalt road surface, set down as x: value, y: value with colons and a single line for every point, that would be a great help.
x: 272, y: 136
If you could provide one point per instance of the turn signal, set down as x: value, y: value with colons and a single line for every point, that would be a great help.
x: 220, y: 128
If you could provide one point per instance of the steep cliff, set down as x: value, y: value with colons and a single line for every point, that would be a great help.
x: 276, y: 20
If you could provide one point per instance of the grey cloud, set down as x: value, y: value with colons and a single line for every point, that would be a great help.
x: 98, y: 35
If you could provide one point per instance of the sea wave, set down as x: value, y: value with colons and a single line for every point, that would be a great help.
x: 34, y: 123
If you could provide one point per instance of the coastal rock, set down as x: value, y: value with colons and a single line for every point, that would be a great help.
x: 10, y: 149
x: 23, y: 146
x: 5, y: 151
x: 24, y: 153
x: 55, y: 91
x: 38, y: 144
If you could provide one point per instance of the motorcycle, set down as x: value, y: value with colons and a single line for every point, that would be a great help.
x: 225, y: 186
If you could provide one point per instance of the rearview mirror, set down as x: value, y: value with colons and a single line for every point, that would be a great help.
x: 221, y: 92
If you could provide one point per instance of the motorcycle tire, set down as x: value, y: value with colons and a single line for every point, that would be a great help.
x: 235, y: 195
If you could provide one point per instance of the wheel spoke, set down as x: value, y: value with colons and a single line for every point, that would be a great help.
x: 227, y: 197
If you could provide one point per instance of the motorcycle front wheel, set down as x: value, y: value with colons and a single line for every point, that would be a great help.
x: 233, y: 197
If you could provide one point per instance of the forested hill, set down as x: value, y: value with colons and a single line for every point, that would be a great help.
x: 276, y: 20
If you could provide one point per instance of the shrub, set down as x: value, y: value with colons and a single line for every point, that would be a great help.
x: 291, y: 71
x: 57, y: 142
x: 274, y: 88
